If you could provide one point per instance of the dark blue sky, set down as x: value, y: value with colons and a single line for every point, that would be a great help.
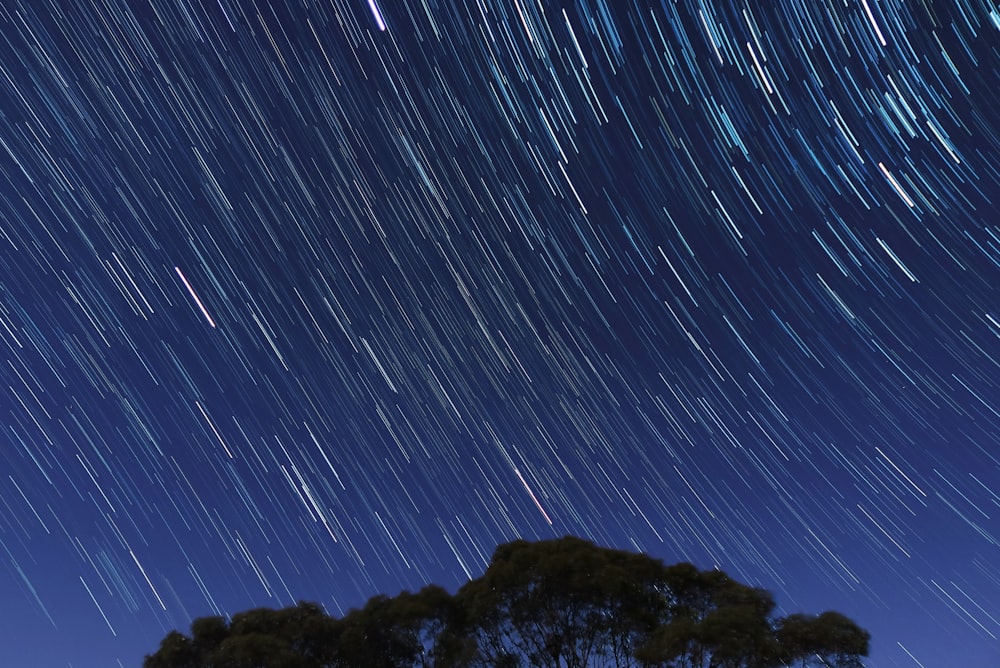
x: 316, y: 300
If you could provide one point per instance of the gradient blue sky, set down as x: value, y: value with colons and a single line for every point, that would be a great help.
x: 321, y: 299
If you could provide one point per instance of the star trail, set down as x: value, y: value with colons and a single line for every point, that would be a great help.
x: 317, y: 299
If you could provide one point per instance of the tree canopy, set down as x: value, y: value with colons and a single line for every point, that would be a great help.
x: 563, y: 603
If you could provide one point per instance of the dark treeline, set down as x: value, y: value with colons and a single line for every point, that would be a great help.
x: 548, y: 604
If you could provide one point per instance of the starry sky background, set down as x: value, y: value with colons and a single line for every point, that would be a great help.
x: 320, y: 299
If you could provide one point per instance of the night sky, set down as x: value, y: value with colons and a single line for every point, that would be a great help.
x: 317, y: 299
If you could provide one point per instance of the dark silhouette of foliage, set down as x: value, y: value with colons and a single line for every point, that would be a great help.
x: 176, y: 651
x: 562, y: 603
x: 830, y: 640
x: 407, y: 630
x: 713, y: 621
x: 207, y: 633
x: 303, y: 636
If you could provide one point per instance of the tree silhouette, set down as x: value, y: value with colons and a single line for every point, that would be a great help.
x: 563, y: 603
x: 303, y: 636
x: 406, y: 630
x: 712, y: 621
x: 176, y: 651
x: 830, y: 640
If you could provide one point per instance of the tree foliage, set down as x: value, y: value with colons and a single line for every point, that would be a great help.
x: 562, y: 603
x: 830, y: 640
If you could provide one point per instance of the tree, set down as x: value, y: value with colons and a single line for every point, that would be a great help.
x: 304, y: 631
x: 830, y: 640
x: 256, y: 650
x: 207, y: 633
x: 302, y: 636
x: 712, y: 621
x: 403, y: 631
x: 176, y: 651
x: 563, y: 603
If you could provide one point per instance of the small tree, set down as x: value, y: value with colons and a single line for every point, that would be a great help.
x: 302, y: 636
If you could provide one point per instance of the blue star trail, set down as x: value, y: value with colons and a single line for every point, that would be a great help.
x: 321, y: 299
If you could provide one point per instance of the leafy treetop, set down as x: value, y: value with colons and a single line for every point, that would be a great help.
x: 563, y: 603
